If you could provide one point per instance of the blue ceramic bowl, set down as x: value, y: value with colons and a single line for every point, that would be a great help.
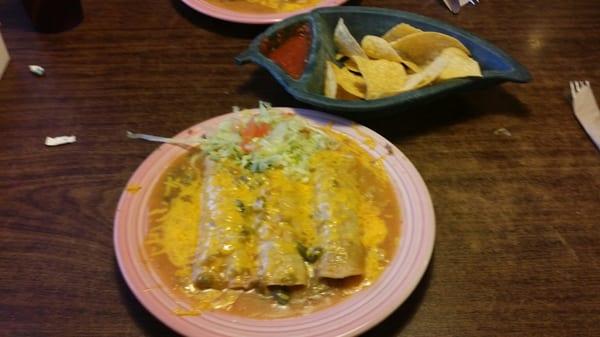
x: 496, y: 65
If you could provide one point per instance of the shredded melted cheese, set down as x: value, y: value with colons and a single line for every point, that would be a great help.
x: 283, y: 5
x: 295, y: 203
x: 175, y: 230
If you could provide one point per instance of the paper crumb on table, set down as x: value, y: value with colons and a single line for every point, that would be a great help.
x: 37, y: 70
x: 61, y: 140
x: 502, y: 132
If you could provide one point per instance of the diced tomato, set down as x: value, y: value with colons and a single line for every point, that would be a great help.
x: 253, y: 130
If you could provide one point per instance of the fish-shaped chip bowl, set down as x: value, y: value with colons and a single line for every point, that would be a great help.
x: 309, y: 38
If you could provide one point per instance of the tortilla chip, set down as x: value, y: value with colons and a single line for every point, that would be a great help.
x: 399, y: 31
x: 345, y: 43
x: 422, y: 48
x: 343, y: 94
x: 429, y: 74
x: 404, y: 58
x: 380, y: 49
x: 351, y: 65
x: 346, y: 61
x: 330, y: 81
x: 350, y: 82
x: 411, y: 65
x: 382, y: 77
x: 459, y: 65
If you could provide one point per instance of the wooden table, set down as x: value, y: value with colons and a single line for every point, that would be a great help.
x: 518, y: 215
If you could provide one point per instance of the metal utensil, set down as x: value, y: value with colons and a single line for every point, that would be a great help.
x: 455, y: 5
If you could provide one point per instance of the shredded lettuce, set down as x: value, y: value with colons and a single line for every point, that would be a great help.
x: 289, y: 144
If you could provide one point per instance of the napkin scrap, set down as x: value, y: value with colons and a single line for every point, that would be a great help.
x: 61, y: 140
x: 37, y: 70
x: 502, y: 132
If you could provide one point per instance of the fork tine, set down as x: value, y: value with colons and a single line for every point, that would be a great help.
x: 587, y: 84
x: 577, y: 86
x: 572, y: 86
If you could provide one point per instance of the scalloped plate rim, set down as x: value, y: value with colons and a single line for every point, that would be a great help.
x: 382, y: 298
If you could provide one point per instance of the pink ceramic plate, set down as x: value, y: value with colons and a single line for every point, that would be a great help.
x: 350, y: 317
x: 215, y: 11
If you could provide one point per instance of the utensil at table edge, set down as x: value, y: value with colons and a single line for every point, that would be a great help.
x: 452, y: 5
x: 455, y: 5
x: 586, y: 109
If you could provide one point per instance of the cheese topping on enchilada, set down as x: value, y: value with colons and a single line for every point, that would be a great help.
x: 272, y: 217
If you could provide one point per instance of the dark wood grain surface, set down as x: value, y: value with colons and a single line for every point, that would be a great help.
x: 518, y: 217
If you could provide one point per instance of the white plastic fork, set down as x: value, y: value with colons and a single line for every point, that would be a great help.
x: 586, y: 109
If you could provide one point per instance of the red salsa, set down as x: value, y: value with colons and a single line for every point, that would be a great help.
x: 289, y: 49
